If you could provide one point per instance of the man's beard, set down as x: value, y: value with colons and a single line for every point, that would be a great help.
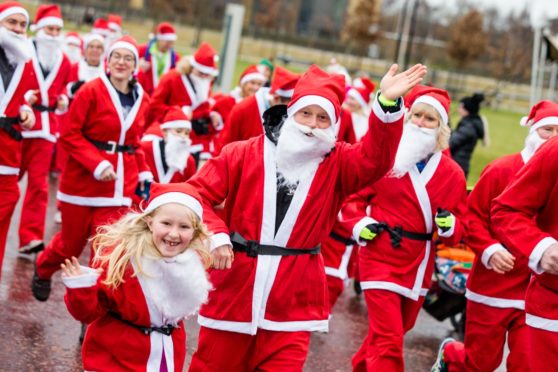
x: 16, y: 46
x: 298, y: 155
x: 47, y: 49
x: 177, y: 150
x: 532, y: 143
x: 416, y: 144
x: 73, y: 52
x: 202, y: 86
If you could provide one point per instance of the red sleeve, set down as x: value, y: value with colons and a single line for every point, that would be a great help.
x: 160, y: 99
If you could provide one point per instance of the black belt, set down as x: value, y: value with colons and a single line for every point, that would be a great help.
x: 397, y: 233
x: 111, y: 146
x: 42, y: 108
x: 254, y: 248
x: 166, y: 330
x: 7, y: 124
x: 339, y: 238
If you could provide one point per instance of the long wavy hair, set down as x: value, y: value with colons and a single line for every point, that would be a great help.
x: 130, y: 238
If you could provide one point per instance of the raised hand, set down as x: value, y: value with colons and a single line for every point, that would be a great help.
x: 395, y: 85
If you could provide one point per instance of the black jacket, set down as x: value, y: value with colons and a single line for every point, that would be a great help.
x: 464, y: 139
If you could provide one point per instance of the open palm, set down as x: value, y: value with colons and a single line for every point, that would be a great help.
x: 395, y: 85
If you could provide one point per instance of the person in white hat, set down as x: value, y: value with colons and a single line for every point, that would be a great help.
x: 48, y: 99
x: 90, y: 66
x: 15, y: 114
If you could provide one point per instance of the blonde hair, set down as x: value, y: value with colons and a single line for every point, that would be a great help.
x: 442, y: 140
x: 183, y: 66
x: 130, y: 238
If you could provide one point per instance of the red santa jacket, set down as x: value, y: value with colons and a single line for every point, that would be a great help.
x: 96, y: 114
x: 154, y: 158
x: 112, y: 345
x: 483, y: 284
x: 410, y: 202
x: 50, y: 89
x: 80, y: 71
x: 12, y: 100
x: 149, y: 79
x: 282, y: 293
x: 525, y: 220
x: 346, y: 132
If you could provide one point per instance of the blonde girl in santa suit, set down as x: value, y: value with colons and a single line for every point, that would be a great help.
x: 106, y: 164
x: 148, y: 275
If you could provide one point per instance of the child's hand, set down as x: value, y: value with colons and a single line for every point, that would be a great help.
x: 71, y: 268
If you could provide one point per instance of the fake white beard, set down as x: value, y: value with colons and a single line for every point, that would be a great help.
x: 532, y: 143
x: 73, y: 52
x: 176, y: 286
x: 87, y: 72
x: 16, y: 47
x: 416, y: 144
x: 299, y: 155
x: 202, y: 86
x: 48, y: 48
x: 177, y: 150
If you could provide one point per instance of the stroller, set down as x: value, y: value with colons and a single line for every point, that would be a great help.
x: 446, y: 297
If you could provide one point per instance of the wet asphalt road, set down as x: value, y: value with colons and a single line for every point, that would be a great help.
x: 36, y: 336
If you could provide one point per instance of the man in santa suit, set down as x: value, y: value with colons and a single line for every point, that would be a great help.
x: 358, y: 104
x: 15, y: 114
x: 525, y: 220
x: 89, y: 67
x: 497, y: 284
x: 157, y: 57
x: 52, y: 70
x: 189, y: 86
x: 73, y: 46
x: 283, y: 190
x: 169, y: 158
x: 394, y: 219
x: 246, y: 118
x: 101, y: 27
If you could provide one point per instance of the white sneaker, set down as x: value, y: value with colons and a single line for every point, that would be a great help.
x: 440, y: 365
x: 58, y: 217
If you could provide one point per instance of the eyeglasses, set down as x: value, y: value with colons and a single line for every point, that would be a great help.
x: 127, y: 59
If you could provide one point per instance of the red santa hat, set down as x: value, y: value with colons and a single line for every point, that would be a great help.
x: 93, y: 37
x: 101, y: 27
x: 126, y: 42
x: 435, y: 97
x: 317, y: 87
x: 176, y: 118
x: 542, y: 113
x: 362, y: 91
x: 204, y: 59
x: 251, y: 73
x: 179, y: 193
x: 114, y: 22
x: 10, y: 8
x: 166, y: 32
x: 283, y: 82
x: 47, y: 15
x: 73, y: 38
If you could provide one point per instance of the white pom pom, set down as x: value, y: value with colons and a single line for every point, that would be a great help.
x: 524, y: 122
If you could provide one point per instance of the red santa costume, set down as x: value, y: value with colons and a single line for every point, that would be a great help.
x: 52, y: 69
x: 180, y: 87
x: 101, y: 133
x: 246, y: 118
x: 138, y: 326
x: 245, y: 325
x: 149, y: 78
x: 524, y: 219
x: 101, y: 27
x: 164, y: 170
x: 395, y: 273
x: 12, y: 90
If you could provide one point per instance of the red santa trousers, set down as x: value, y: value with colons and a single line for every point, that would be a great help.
x: 35, y: 161
x: 485, y: 336
x: 267, y: 351
x: 335, y: 287
x: 78, y: 224
x: 543, y: 344
x: 390, y: 316
x: 9, y: 193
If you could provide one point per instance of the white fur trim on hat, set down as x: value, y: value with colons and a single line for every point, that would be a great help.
x: 177, y: 124
x: 549, y: 120
x: 125, y: 45
x: 313, y: 100
x: 178, y: 198
x: 87, y: 39
x: 203, y: 68
x: 252, y: 76
x: 284, y: 93
x: 356, y: 95
x: 14, y: 10
x: 47, y: 21
x: 434, y: 103
x: 73, y: 40
x: 166, y: 37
